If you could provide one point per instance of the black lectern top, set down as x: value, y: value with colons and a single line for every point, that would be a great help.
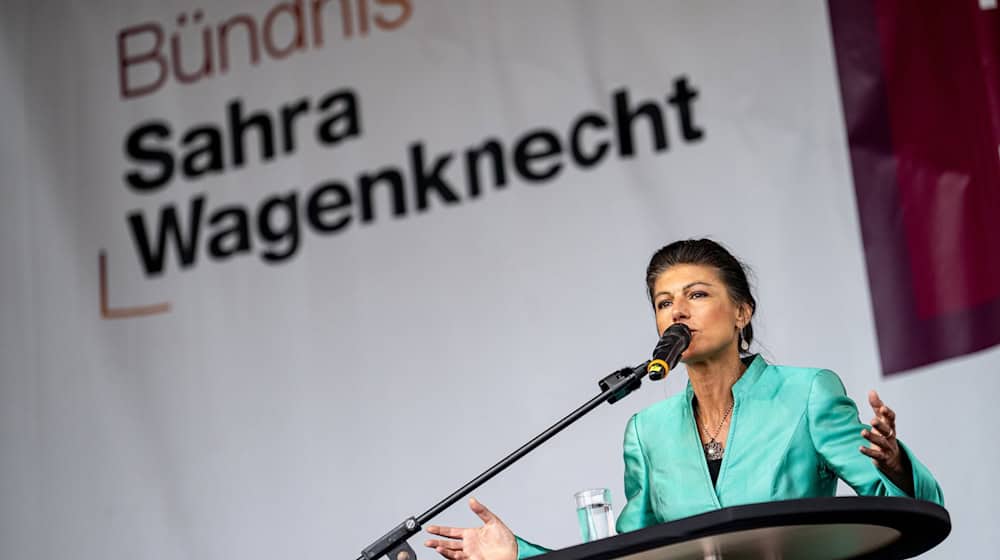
x: 809, y: 529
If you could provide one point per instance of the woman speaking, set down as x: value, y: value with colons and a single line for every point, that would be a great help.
x: 744, y: 431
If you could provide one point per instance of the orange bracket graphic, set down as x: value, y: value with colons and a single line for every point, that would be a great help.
x: 122, y: 312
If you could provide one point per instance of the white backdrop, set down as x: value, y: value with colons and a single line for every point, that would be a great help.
x: 300, y: 409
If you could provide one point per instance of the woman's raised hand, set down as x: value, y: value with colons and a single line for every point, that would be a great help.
x: 884, y: 449
x: 492, y: 541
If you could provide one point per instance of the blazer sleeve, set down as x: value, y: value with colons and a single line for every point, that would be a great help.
x: 836, y: 434
x: 638, y: 510
x: 526, y: 549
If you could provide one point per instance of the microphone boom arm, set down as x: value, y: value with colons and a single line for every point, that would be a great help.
x: 393, y: 544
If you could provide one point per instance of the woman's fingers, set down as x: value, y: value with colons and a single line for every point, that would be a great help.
x: 883, y: 427
x: 884, y: 450
x: 453, y: 554
x: 449, y: 545
x: 877, y: 455
x: 877, y: 439
x: 879, y: 408
x: 885, y: 417
x: 492, y: 540
x: 875, y: 401
x: 449, y: 549
x: 482, y: 511
x: 453, y: 532
x: 888, y: 413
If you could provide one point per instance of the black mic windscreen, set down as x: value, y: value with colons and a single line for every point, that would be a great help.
x: 668, y: 350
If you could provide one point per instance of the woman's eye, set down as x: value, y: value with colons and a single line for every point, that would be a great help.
x: 695, y: 295
x: 663, y: 304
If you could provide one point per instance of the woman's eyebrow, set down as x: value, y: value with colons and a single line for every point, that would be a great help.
x: 684, y: 289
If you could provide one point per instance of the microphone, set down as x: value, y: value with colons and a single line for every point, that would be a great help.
x: 668, y: 351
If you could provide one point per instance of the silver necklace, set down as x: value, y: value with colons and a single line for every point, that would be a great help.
x: 713, y: 449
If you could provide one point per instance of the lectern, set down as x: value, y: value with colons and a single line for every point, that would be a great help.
x: 811, y: 529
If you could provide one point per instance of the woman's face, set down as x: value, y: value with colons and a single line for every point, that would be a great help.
x: 695, y: 295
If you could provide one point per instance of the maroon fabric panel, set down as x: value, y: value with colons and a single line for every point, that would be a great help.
x: 921, y: 93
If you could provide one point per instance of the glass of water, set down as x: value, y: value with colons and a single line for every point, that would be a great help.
x: 593, y: 511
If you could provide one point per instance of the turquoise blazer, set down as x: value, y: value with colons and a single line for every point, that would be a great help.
x: 794, y: 432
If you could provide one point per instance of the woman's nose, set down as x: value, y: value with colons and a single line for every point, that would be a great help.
x: 679, y: 311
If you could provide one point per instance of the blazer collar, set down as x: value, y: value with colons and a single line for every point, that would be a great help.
x: 755, y: 367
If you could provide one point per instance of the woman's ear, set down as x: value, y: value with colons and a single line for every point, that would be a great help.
x: 743, y: 315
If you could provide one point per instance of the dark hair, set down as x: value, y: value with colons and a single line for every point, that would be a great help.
x: 706, y: 252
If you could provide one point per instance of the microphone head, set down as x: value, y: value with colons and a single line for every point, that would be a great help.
x: 668, y: 350
x: 678, y: 329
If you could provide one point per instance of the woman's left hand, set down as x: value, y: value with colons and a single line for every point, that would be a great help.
x: 884, y: 450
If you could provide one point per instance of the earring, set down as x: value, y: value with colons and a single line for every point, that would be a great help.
x: 744, y: 345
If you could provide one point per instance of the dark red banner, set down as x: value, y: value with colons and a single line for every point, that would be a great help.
x: 921, y: 93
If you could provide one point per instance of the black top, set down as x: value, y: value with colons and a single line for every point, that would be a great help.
x: 713, y: 469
